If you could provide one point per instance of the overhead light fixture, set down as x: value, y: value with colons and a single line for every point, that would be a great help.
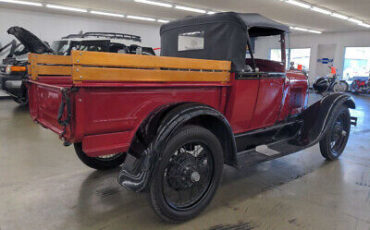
x: 154, y: 3
x: 305, y: 30
x: 340, y: 16
x: 364, y: 25
x: 190, y: 9
x: 320, y: 10
x: 22, y: 2
x: 355, y: 21
x: 163, y: 21
x: 67, y: 8
x: 315, y: 31
x: 140, y: 18
x: 211, y: 12
x: 107, y: 14
x: 300, y: 4
x: 299, y: 29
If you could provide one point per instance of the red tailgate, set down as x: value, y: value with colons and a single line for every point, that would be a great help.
x: 45, y: 103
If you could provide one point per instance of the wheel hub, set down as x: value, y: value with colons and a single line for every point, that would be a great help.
x: 185, y: 168
x: 195, y: 176
x: 188, y: 175
x: 181, y: 174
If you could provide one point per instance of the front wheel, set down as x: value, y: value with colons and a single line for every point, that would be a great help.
x: 102, y: 162
x: 335, y: 140
x: 340, y: 87
x: 187, y: 175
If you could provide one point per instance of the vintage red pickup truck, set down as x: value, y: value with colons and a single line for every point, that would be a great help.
x: 174, y: 120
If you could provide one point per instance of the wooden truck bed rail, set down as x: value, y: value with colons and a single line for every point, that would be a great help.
x: 84, y: 66
x: 49, y: 65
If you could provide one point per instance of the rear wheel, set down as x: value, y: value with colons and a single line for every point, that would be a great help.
x: 335, y: 140
x: 187, y: 175
x: 100, y: 163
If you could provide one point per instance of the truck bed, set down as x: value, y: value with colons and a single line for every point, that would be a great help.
x: 109, y: 95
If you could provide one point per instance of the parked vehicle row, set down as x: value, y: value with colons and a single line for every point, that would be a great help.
x: 174, y: 120
x: 14, y: 67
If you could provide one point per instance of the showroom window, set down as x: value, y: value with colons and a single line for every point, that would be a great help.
x: 298, y: 56
x: 356, y: 62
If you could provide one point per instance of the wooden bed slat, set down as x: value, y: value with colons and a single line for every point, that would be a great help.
x: 140, y: 75
x: 146, y: 61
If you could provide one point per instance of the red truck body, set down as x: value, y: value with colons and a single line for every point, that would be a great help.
x: 106, y: 116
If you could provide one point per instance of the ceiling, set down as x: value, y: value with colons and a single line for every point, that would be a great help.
x: 274, y: 9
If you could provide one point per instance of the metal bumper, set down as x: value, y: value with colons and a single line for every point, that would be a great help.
x: 13, y: 84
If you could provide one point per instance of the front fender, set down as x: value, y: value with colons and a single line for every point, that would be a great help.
x: 136, y: 172
x: 315, y: 118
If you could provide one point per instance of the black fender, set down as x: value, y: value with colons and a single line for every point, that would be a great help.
x: 137, y: 170
x: 316, y: 117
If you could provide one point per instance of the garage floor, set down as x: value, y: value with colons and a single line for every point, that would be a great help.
x: 44, y: 186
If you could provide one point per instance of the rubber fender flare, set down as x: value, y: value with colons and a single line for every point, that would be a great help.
x: 315, y: 117
x: 186, y: 114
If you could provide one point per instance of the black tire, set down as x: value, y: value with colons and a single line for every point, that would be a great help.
x: 99, y: 163
x: 335, y: 140
x: 211, y: 147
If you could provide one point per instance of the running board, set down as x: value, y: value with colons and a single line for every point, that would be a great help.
x: 268, y: 152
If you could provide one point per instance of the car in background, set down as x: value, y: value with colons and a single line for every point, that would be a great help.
x: 101, y: 42
x: 360, y: 85
x: 13, y: 69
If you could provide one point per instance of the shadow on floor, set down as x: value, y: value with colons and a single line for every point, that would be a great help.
x: 100, y: 195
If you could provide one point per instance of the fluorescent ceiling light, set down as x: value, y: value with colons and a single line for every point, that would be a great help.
x: 190, y: 9
x: 140, y: 18
x: 319, y: 10
x: 365, y: 25
x: 340, y: 16
x: 22, y: 2
x: 355, y: 21
x: 154, y: 3
x: 315, y: 31
x: 299, y: 29
x: 163, y: 21
x: 211, y: 12
x: 305, y: 30
x: 300, y: 4
x: 107, y: 14
x: 67, y: 8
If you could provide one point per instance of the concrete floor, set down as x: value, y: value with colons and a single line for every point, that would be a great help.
x: 44, y: 186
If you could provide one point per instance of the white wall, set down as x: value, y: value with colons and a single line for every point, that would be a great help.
x: 342, y: 40
x: 50, y: 27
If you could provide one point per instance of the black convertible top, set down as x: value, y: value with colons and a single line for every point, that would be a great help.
x: 247, y: 21
x: 221, y: 36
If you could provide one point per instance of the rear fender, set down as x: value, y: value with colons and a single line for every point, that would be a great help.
x: 316, y: 117
x: 136, y: 172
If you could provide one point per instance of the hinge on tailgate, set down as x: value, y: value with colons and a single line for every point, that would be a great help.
x: 65, y: 103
